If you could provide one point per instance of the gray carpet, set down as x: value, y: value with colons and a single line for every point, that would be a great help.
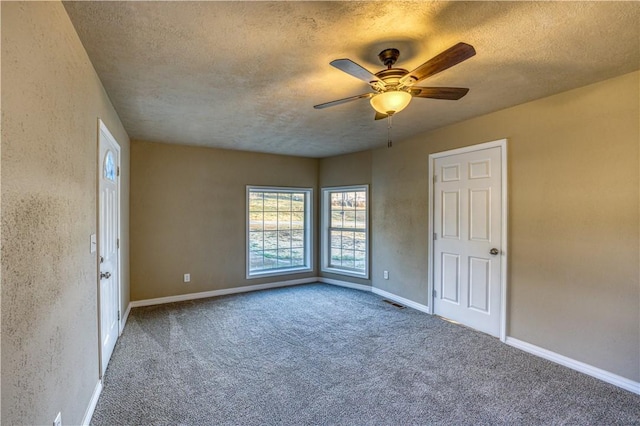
x: 318, y: 354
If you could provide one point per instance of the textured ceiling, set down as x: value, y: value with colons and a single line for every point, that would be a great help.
x: 245, y: 75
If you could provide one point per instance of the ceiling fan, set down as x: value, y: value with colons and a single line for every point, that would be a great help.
x: 395, y: 87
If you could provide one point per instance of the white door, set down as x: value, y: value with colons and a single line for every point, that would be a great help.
x: 108, y: 252
x: 467, y: 223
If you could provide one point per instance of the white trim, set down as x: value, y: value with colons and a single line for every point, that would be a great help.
x: 346, y: 284
x: 308, y: 232
x: 582, y: 367
x: 86, y: 420
x: 415, y: 305
x: 324, y: 228
x: 123, y: 322
x: 222, y: 292
x: 501, y: 143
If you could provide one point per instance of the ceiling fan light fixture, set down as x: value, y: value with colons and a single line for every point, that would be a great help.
x: 390, y: 102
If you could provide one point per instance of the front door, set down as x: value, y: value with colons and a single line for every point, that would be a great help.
x: 109, y: 231
x: 467, y: 252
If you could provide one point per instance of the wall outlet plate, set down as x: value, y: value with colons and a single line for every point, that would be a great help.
x: 58, y: 420
x: 187, y: 278
x: 385, y: 274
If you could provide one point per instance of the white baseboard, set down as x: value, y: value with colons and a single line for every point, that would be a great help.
x: 123, y: 321
x: 223, y: 292
x: 344, y: 284
x: 92, y: 404
x: 590, y: 370
x: 410, y: 303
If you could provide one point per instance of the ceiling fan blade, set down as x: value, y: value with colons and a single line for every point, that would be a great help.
x: 450, y: 57
x: 450, y: 93
x: 351, y: 68
x: 343, y: 101
x: 380, y: 116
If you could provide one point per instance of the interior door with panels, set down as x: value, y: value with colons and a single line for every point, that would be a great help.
x: 467, y: 224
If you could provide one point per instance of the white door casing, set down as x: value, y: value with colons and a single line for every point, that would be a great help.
x: 108, y: 244
x: 468, y: 238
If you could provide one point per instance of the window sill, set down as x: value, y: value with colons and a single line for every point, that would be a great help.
x: 274, y: 273
x: 337, y: 271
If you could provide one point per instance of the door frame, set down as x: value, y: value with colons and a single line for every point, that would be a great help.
x: 104, y: 131
x: 502, y: 144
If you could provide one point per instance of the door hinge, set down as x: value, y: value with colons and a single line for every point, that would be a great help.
x: 435, y: 293
x: 118, y: 171
x: 118, y: 315
x: 435, y: 178
x: 435, y: 236
x: 118, y: 243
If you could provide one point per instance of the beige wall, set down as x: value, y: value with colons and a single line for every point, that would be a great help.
x: 342, y: 170
x: 573, y: 280
x: 51, y: 100
x: 188, y: 209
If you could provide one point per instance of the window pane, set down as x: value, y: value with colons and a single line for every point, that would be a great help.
x: 360, y: 241
x: 284, y: 220
x: 336, y: 257
x: 360, y: 261
x: 270, y: 240
x: 361, y: 219
x: 297, y: 239
x: 284, y: 239
x: 336, y: 201
x: 270, y: 202
x: 349, y: 219
x: 284, y: 258
x: 255, y: 241
x: 255, y: 201
x: 284, y: 202
x: 255, y: 221
x: 270, y: 220
x: 256, y: 260
x: 297, y: 202
x: 336, y: 219
x: 349, y: 200
x: 270, y: 259
x: 297, y: 257
x: 348, y: 259
x: 361, y: 200
x: 336, y: 239
x: 297, y: 220
x: 348, y: 240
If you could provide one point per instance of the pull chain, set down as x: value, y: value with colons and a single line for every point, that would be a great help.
x: 389, y: 142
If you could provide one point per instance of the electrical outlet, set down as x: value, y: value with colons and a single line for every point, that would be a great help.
x: 385, y: 274
x: 187, y: 278
x: 58, y: 420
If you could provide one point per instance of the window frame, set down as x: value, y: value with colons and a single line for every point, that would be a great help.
x: 325, y: 231
x: 308, y: 232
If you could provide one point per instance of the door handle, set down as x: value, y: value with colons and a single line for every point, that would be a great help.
x: 106, y: 275
x: 494, y: 251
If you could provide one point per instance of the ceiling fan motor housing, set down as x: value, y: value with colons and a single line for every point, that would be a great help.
x: 389, y: 56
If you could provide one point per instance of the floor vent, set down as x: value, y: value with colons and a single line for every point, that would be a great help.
x: 397, y: 305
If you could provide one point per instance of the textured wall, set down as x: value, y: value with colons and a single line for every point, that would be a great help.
x: 51, y: 101
x: 573, y: 277
x: 348, y: 169
x: 188, y: 209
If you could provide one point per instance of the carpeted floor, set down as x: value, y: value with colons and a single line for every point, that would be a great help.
x: 319, y: 354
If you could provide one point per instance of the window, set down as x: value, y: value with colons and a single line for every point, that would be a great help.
x: 345, y: 230
x: 278, y: 230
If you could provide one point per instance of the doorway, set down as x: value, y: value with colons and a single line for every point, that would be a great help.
x: 468, y: 241
x: 108, y: 244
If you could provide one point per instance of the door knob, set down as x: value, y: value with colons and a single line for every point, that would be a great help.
x: 106, y: 275
x: 494, y: 251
